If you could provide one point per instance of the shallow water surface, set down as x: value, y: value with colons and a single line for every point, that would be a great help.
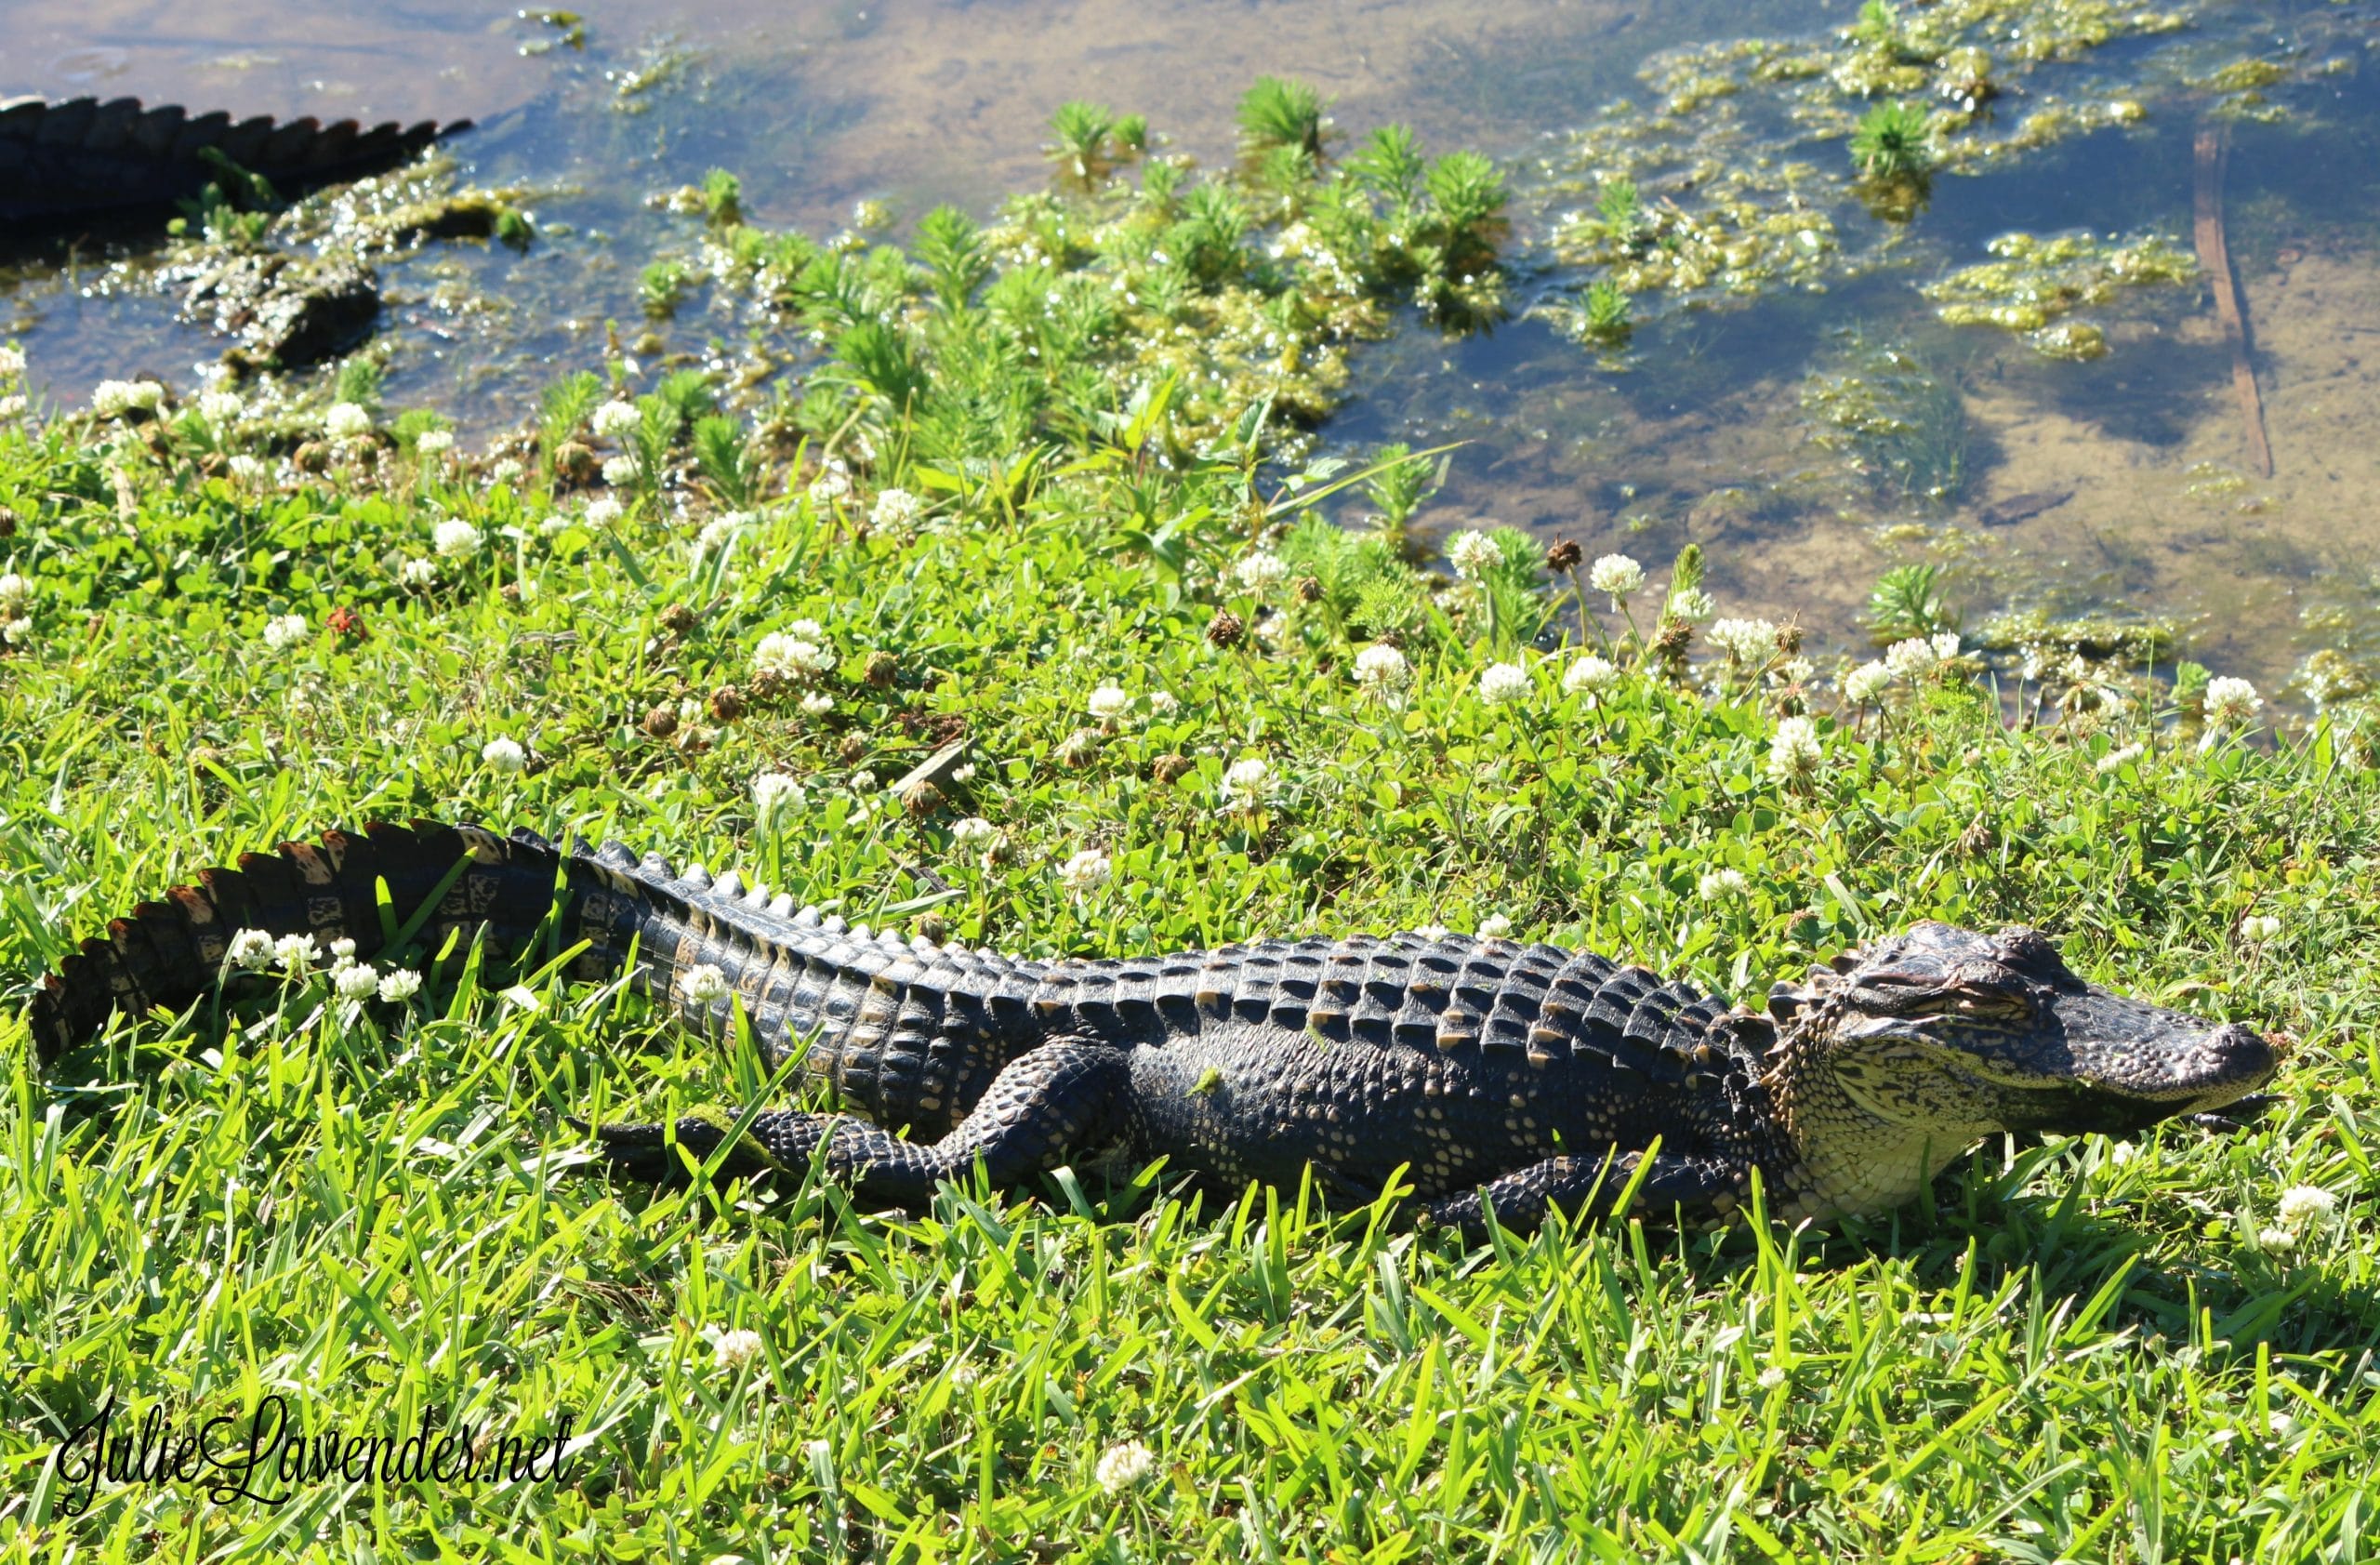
x: 2121, y: 483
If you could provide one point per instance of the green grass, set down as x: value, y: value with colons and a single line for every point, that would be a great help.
x: 2071, y: 1350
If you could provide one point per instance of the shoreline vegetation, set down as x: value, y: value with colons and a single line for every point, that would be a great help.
x: 1206, y: 694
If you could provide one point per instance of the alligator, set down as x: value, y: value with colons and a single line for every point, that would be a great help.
x: 66, y: 162
x: 1486, y: 1073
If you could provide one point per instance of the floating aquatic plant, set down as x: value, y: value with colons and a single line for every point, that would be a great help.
x: 1605, y: 316
x: 1246, y: 285
x: 2033, y: 284
x: 1278, y: 113
x: 951, y: 246
x: 660, y: 287
x: 1903, y: 425
x: 1621, y: 210
x: 722, y: 197
x: 1893, y: 142
x: 1907, y: 601
x: 1399, y: 486
x: 1086, y: 145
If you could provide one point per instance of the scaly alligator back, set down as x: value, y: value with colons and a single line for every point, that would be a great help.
x: 60, y: 160
x: 906, y: 1031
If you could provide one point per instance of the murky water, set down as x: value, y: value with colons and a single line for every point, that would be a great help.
x: 2120, y: 483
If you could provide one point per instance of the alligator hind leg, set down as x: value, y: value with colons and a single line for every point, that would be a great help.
x: 1701, y: 1187
x: 1066, y: 1100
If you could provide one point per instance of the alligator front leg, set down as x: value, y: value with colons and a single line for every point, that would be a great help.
x: 1064, y: 1101
x: 1697, y: 1186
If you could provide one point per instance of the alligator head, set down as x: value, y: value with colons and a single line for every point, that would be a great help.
x: 1893, y: 1062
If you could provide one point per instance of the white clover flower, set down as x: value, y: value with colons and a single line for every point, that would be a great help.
x: 1617, y: 576
x: 248, y: 470
x: 1793, y: 750
x: 15, y: 593
x: 964, y: 775
x: 2258, y: 928
x: 418, y: 572
x: 2303, y: 1205
x: 1744, y: 640
x: 1084, y: 871
x: 715, y: 534
x: 703, y: 984
x: 504, y: 755
x: 343, y: 949
x: 1125, y: 1465
x: 1500, y: 683
x: 1692, y: 604
x: 1164, y: 703
x: 12, y: 407
x: 221, y: 409
x: 817, y: 704
x: 251, y: 950
x: 1946, y: 645
x: 604, y: 511
x: 737, y: 1348
x: 1382, y: 667
x: 1723, y: 885
x: 1771, y: 1378
x: 355, y: 983
x: 113, y: 399
x: 455, y: 536
x: 1795, y: 671
x: 1109, y: 702
x: 1259, y: 572
x: 620, y: 471
x: 1246, y: 783
x: 2277, y: 1239
x: 833, y: 482
x: 1866, y: 682
x: 294, y: 954
x: 18, y: 631
x: 2117, y: 760
x: 400, y: 986
x: 1472, y: 554
x: 775, y: 791
x: 808, y: 630
x: 507, y: 473
x: 791, y: 657
x: 1590, y: 676
x: 973, y: 831
x: 2230, y: 703
x: 1495, y: 926
x: 433, y: 444
x: 12, y: 361
x: 1911, y: 659
x: 284, y: 632
x: 896, y: 511
x: 346, y: 420
x: 863, y: 781
x: 616, y: 417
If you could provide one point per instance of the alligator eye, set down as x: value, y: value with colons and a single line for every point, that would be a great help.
x: 2027, y: 948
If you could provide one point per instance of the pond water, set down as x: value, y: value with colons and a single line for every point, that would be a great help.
x: 2126, y: 483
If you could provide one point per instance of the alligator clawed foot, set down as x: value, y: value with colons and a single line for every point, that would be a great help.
x: 2235, y: 1116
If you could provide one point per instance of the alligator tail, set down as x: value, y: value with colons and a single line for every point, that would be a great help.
x: 169, y: 952
x: 61, y: 159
